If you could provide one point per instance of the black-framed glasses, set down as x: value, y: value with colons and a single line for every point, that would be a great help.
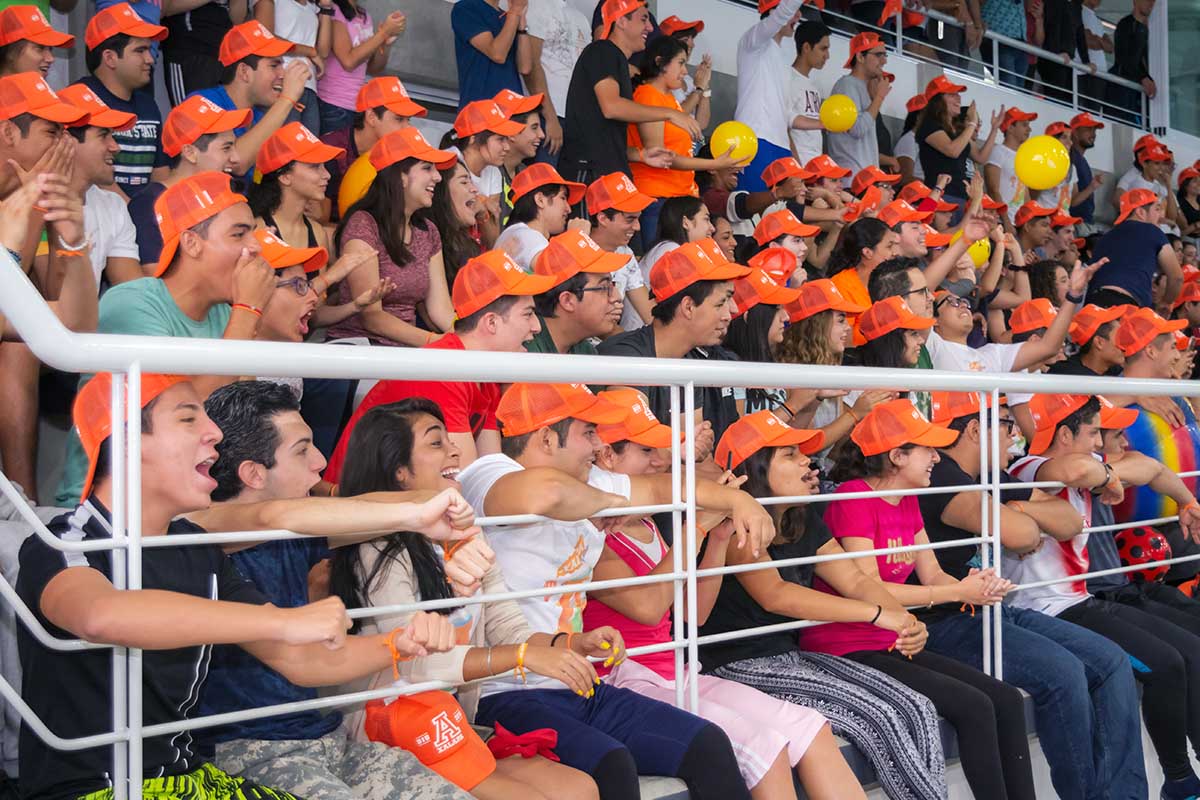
x: 608, y: 287
x: 923, y: 290
x: 956, y: 302
x: 299, y: 285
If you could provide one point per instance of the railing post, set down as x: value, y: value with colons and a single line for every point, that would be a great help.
x: 900, y: 31
x: 676, y: 550
x: 985, y: 528
x: 133, y: 423
x: 995, y: 59
x: 689, y: 426
x: 997, y: 460
x: 1074, y: 88
x: 120, y: 676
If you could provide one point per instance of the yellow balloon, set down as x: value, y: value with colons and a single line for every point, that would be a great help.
x: 355, y: 182
x: 737, y: 135
x: 979, y: 251
x: 1042, y: 163
x: 838, y: 113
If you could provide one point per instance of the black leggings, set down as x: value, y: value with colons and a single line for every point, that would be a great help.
x: 1166, y: 663
x: 988, y: 717
x: 708, y: 767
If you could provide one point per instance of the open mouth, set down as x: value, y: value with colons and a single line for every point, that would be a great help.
x: 451, y: 474
x: 302, y: 325
x: 204, y: 466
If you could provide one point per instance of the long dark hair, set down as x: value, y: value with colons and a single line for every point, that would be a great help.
x: 382, y: 443
x: 937, y: 108
x: 384, y: 201
x: 747, y: 337
x: 847, y: 253
x: 457, y: 245
x: 670, y: 221
x: 886, y: 351
x: 756, y: 468
x: 849, y: 463
x: 1042, y: 279
x: 266, y: 195
x: 348, y: 8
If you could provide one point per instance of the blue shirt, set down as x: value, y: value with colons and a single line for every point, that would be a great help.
x: 1083, y: 179
x: 141, y: 211
x: 1132, y: 251
x: 1102, y: 552
x: 221, y: 97
x: 141, y: 145
x: 238, y: 680
x: 480, y: 78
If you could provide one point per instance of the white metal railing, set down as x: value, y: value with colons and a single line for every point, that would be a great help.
x: 132, y: 356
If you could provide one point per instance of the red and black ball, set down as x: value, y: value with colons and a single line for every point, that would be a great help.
x: 1142, y: 546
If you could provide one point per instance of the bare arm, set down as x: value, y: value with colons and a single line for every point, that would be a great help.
x: 936, y: 586
x: 549, y: 493
x: 1018, y: 532
x: 120, y: 270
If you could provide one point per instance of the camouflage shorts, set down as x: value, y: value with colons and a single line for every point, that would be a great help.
x: 336, y: 768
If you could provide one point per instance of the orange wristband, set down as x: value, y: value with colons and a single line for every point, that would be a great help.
x: 397, y: 657
x: 252, y: 309
x: 520, y: 668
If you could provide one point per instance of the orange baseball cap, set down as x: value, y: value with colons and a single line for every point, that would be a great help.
x: 27, y: 23
x: 639, y: 426
x: 868, y: 205
x: 1155, y: 152
x: 98, y: 113
x: 1114, y: 417
x: 280, y: 255
x: 782, y: 223
x: 915, y: 191
x: 28, y: 93
x: 118, y: 19
x: 1030, y: 211
x: 613, y: 10
x: 537, y: 175
x: 1085, y: 120
x: 433, y: 727
x: 1057, y: 128
x: 817, y: 296
x: 198, y: 116
x: 1031, y: 315
x: 294, y: 142
x: 887, y: 315
x: 949, y: 406
x: 92, y: 414
x: 186, y: 204
x: 1190, y: 293
x: 616, y: 191
x: 1182, y: 341
x: 758, y: 287
x: 762, y: 429
x: 899, y: 211
x: 1142, y: 327
x: 861, y: 43
x: 993, y: 205
x: 512, y: 103
x: 869, y: 176
x: 766, y: 5
x: 1014, y: 115
x: 1048, y: 410
x: 484, y: 115
x: 1088, y: 320
x: 526, y: 407
x: 935, y: 238
x: 1186, y: 174
x: 407, y: 142
x: 778, y: 262
x: 573, y: 252
x: 825, y: 167
x: 1133, y: 200
x: 251, y: 39
x: 695, y: 261
x: 673, y: 25
x: 896, y: 423
x: 1061, y: 220
x: 781, y: 169
x: 1190, y: 273
x: 943, y: 85
x: 388, y: 92
x: 916, y: 103
x: 1145, y: 141
x: 490, y: 276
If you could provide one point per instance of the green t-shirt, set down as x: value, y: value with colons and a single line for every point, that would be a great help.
x: 544, y: 343
x: 142, y: 307
x: 43, y: 6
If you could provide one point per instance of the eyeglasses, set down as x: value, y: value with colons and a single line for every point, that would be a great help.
x: 955, y: 301
x: 923, y: 290
x: 1008, y: 424
x: 608, y: 287
x: 299, y: 285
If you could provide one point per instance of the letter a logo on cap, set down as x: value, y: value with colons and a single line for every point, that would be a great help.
x: 447, y: 735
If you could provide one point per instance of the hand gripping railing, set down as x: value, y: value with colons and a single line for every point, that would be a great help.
x: 131, y: 356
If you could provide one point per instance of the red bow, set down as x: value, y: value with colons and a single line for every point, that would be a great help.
x: 539, y: 742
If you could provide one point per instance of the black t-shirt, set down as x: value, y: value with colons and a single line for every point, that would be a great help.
x: 197, y: 32
x: 717, y: 403
x: 590, y: 141
x: 72, y: 692
x: 735, y: 609
x: 1072, y: 366
x: 1190, y: 214
x: 935, y: 162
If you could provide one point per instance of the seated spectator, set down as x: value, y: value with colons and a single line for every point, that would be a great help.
x: 198, y: 136
x: 1136, y: 250
x: 254, y: 77
x: 806, y: 126
x: 863, y: 245
x: 858, y: 148
x: 542, y: 201
x: 482, y: 138
x: 546, y: 467
x: 755, y: 333
x: 191, y: 50
x: 494, y: 312
x: 310, y: 30
x: 1151, y: 170
x: 682, y: 220
x: 557, y: 34
x: 403, y: 447
x: 292, y: 165
x: 27, y: 41
x: 909, y: 225
x: 455, y: 203
x: 692, y: 287
x: 487, y: 48
x: 1059, y: 197
x: 946, y: 139
x: 210, y: 283
x: 889, y: 334
x: 120, y: 59
x: 1072, y: 674
x: 826, y: 182
x: 76, y: 599
x: 583, y: 305
x: 1087, y: 182
x: 614, y: 207
x: 524, y: 146
x: 1049, y: 280
x: 359, y: 50
x: 781, y: 229
x: 1033, y: 226
x: 382, y: 106
x: 1061, y: 248
x: 409, y: 250
x: 769, y: 741
x: 290, y: 309
x: 1093, y: 331
x: 1000, y: 172
x: 1187, y: 197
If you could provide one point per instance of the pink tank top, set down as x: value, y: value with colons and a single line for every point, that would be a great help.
x: 597, y: 614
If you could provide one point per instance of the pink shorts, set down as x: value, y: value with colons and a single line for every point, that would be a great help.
x: 758, y: 725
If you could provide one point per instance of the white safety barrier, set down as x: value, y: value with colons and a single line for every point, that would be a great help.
x: 131, y: 357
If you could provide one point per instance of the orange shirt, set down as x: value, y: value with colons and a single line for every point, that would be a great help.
x: 654, y: 181
x: 851, y: 287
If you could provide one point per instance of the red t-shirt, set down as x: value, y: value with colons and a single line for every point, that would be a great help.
x: 469, y: 407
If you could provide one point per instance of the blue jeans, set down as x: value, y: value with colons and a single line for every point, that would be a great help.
x: 1083, y: 691
x: 310, y: 117
x: 334, y: 118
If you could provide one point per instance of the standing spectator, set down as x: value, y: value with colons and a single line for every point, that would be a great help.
x: 490, y: 48
x: 358, y: 51
x: 309, y: 28
x: 1098, y: 43
x: 692, y: 99
x: 119, y: 58
x: 1035, y: 32
x: 1005, y: 17
x: 946, y: 138
x: 858, y: 147
x: 557, y: 35
x: 1083, y: 201
x: 195, y: 31
x: 1136, y: 250
x: 953, y: 41
x: 764, y: 86
x: 600, y: 98
x: 812, y: 52
x: 1131, y: 49
x: 1000, y: 173
x: 1064, y: 37
x: 27, y: 41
